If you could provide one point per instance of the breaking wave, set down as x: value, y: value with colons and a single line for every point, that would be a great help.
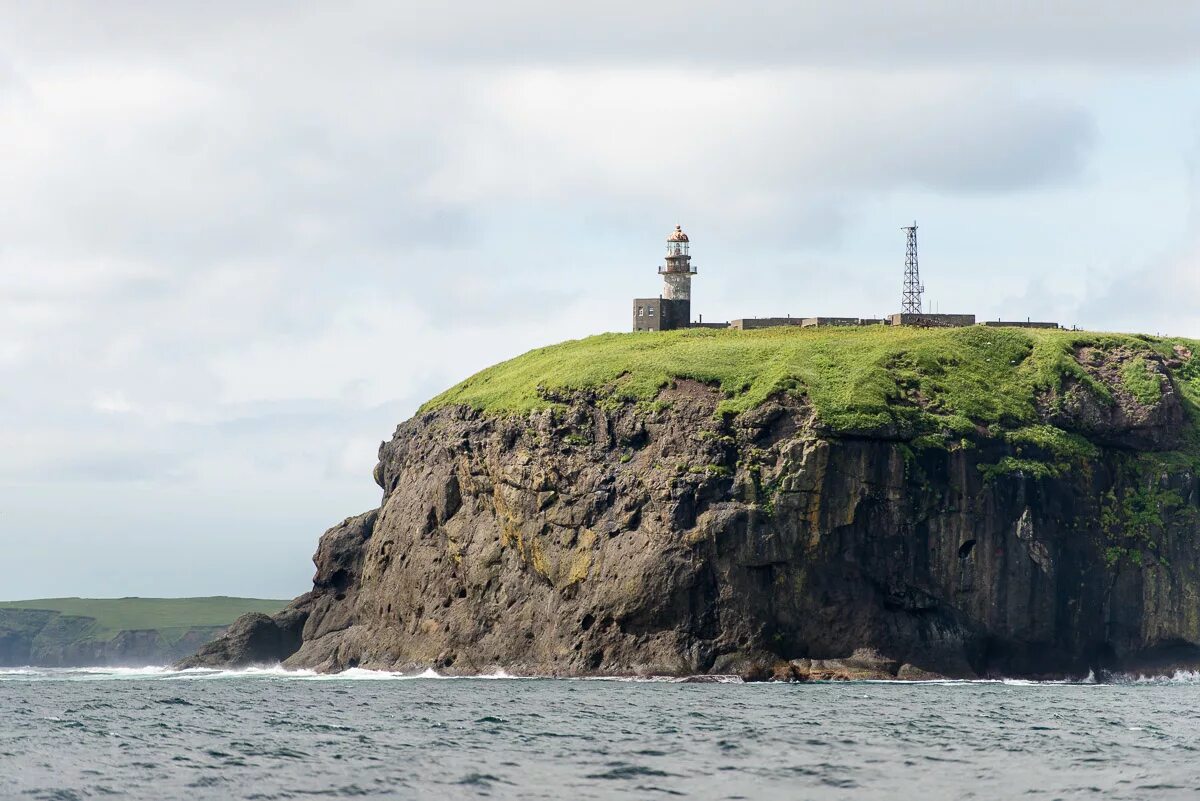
x: 278, y: 672
x: 163, y: 672
x: 1178, y: 677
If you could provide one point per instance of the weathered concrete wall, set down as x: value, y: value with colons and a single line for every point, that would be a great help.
x: 750, y: 323
x: 677, y: 286
x: 823, y: 322
x: 660, y: 314
x: 1019, y: 324
x: 950, y: 320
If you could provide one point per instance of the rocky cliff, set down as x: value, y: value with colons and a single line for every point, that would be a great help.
x: 970, y: 503
x: 49, y: 639
x: 132, y: 632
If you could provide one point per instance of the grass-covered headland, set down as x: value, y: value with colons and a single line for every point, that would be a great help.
x: 919, y: 381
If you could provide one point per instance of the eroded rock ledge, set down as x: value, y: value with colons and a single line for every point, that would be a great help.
x: 607, y: 538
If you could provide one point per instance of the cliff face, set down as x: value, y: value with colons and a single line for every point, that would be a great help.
x: 602, y: 536
x: 49, y: 639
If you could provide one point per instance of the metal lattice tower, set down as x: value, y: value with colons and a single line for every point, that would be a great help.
x: 910, y: 302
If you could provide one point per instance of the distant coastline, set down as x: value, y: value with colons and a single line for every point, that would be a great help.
x: 129, y: 632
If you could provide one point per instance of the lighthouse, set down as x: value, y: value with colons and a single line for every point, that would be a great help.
x: 677, y: 273
x: 673, y: 308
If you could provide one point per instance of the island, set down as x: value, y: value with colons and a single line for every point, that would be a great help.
x: 785, y: 503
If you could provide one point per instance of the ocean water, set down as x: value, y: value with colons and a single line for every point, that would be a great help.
x: 156, y: 734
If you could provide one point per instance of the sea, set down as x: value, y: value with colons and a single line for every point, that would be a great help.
x: 265, y: 734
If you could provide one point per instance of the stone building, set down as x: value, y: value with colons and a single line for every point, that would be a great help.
x: 673, y: 308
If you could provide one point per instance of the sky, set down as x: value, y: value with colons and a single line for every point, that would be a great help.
x: 241, y: 241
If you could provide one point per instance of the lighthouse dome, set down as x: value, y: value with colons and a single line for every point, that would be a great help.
x: 677, y: 235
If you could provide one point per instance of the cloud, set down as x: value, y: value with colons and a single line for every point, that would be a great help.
x: 540, y: 32
x: 1118, y: 300
x: 747, y: 142
x: 239, y: 243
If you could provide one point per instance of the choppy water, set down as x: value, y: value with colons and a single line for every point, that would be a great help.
x: 149, y: 734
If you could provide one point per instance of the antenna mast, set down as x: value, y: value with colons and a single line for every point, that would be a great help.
x: 910, y: 302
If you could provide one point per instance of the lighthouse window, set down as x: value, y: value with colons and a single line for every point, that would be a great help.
x: 640, y: 310
x: 649, y: 311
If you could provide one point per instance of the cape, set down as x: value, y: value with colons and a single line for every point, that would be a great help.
x: 785, y: 503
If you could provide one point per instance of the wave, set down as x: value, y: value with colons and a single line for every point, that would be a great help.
x: 1178, y: 677
x: 278, y: 672
x: 165, y: 672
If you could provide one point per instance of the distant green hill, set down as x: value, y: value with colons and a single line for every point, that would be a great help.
x: 117, y: 614
x: 67, y: 632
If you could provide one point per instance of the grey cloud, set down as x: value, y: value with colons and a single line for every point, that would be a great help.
x: 757, y: 32
x: 240, y: 242
x: 150, y: 465
x: 984, y: 142
x: 1118, y: 299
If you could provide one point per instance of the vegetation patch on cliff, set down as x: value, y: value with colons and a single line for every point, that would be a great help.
x: 1143, y: 384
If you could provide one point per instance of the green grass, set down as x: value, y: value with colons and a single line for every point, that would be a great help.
x: 1145, y: 386
x: 950, y: 380
x: 1053, y: 440
x: 172, y: 615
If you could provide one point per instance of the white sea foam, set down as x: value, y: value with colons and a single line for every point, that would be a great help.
x: 278, y: 672
x: 272, y: 672
x: 266, y: 672
x: 1178, y: 677
x: 147, y: 670
x: 85, y: 673
x: 350, y: 674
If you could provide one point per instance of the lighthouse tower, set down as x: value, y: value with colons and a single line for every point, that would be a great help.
x: 677, y: 273
x: 673, y: 308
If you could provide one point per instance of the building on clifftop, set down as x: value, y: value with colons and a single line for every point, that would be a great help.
x: 673, y: 308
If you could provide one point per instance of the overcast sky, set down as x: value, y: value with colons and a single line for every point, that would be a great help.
x: 240, y: 241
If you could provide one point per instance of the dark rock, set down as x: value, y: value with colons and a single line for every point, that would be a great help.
x: 1120, y: 420
x: 253, y: 639
x: 757, y: 546
x: 913, y: 673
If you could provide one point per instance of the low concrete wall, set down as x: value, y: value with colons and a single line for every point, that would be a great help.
x: 822, y: 322
x: 750, y: 323
x: 940, y: 320
x: 1018, y: 324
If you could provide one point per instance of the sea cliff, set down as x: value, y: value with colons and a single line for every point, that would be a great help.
x: 127, y: 632
x: 786, y: 504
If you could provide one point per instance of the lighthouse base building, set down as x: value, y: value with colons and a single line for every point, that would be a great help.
x: 661, y: 314
x: 673, y: 308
